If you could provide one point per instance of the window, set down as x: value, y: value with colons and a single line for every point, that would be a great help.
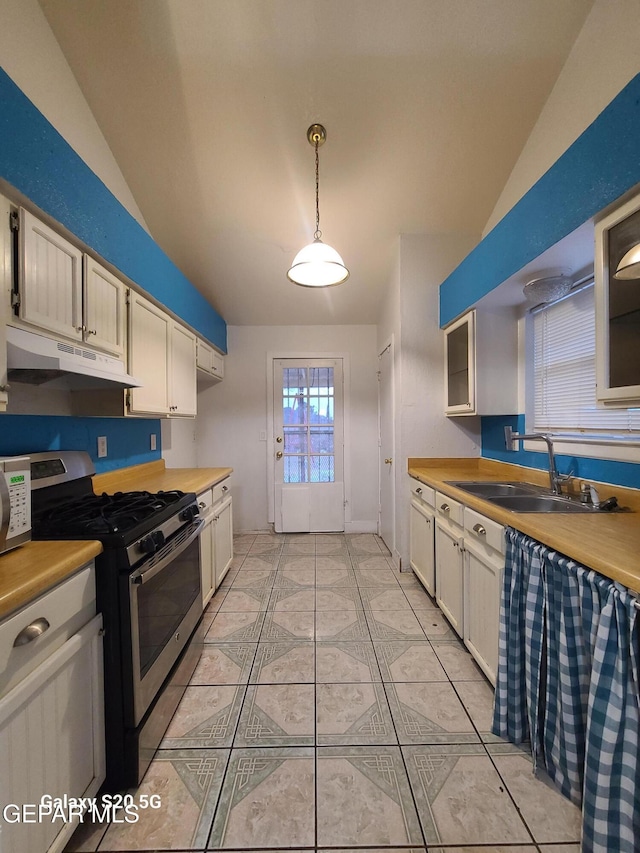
x: 564, y: 374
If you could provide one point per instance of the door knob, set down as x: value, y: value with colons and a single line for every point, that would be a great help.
x: 388, y: 461
x: 279, y: 455
x: 279, y: 439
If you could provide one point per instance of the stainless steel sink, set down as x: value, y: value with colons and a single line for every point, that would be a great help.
x: 489, y: 490
x: 521, y: 497
x: 539, y: 503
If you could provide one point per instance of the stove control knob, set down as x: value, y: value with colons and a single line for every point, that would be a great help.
x: 152, y: 543
x: 189, y: 513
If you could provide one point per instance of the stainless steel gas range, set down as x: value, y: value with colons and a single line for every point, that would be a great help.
x: 148, y: 590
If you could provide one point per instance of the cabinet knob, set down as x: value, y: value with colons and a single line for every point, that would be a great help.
x: 479, y: 529
x: 279, y: 455
x: 92, y: 331
x: 418, y: 491
x: 31, y: 632
x: 225, y: 488
x: 445, y: 508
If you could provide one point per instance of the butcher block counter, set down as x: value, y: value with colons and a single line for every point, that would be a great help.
x: 32, y: 569
x: 154, y: 477
x: 608, y: 542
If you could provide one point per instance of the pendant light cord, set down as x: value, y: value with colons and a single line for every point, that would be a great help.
x: 318, y: 233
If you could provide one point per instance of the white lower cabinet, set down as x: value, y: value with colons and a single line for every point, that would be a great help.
x: 483, y: 572
x: 449, y: 573
x: 216, y: 539
x: 52, y: 740
x: 422, y: 535
x: 448, y: 544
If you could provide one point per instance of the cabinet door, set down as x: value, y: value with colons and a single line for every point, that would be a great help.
x: 204, y: 355
x: 149, y: 343
x: 104, y: 308
x: 449, y: 571
x: 223, y: 539
x: 459, y: 366
x: 52, y: 738
x: 50, y: 279
x: 422, y: 556
x: 207, y: 566
x: 483, y: 570
x: 183, y: 371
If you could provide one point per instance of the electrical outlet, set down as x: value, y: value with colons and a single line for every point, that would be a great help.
x: 153, y: 440
x: 102, y: 446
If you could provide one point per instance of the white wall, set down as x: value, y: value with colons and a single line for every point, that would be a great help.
x: 232, y: 414
x: 411, y: 314
x: 178, y: 442
x: 604, y: 58
x: 31, y: 56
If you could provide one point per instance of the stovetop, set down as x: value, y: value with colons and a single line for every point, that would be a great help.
x: 96, y: 516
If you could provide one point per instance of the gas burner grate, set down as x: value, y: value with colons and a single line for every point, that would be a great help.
x: 104, y: 514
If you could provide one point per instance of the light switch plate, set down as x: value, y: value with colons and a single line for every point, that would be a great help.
x: 102, y: 446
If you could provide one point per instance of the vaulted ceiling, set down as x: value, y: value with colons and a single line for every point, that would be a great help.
x: 205, y: 105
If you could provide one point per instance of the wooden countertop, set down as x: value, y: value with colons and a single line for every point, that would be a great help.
x: 155, y: 477
x: 606, y: 542
x: 35, y: 567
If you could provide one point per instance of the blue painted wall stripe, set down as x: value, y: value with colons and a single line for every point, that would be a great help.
x: 599, y: 167
x: 585, y: 468
x: 36, y: 160
x: 128, y: 439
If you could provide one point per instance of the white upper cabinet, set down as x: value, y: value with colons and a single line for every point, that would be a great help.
x: 182, y: 386
x: 149, y: 347
x: 481, y: 364
x: 67, y: 293
x: 209, y: 362
x: 617, y: 309
x: 50, y: 279
x: 105, y: 308
x: 162, y: 355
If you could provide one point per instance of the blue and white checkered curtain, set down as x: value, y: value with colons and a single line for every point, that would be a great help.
x: 568, y: 681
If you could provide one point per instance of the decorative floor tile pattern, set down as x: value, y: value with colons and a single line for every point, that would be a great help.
x: 326, y: 673
x: 353, y: 714
x: 346, y: 662
x: 267, y: 800
x: 277, y: 715
x: 364, y: 798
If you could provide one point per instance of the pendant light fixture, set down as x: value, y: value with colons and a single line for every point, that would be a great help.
x: 317, y: 265
x: 629, y: 266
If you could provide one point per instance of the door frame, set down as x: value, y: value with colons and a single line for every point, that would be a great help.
x: 346, y: 411
x: 390, y: 345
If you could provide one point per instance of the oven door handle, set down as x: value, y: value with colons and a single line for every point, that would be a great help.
x: 141, y: 576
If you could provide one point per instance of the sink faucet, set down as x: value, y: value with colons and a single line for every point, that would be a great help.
x: 555, y: 479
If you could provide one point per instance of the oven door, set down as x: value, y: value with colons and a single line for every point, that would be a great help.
x: 166, y: 603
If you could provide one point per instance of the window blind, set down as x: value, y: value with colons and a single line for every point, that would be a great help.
x: 565, y: 371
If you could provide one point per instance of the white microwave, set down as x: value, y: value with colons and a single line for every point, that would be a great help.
x: 15, y: 501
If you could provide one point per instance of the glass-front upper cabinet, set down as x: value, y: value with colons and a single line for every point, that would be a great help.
x: 617, y: 308
x: 481, y: 363
x: 459, y: 366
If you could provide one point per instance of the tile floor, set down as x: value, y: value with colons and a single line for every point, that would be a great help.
x: 334, y: 707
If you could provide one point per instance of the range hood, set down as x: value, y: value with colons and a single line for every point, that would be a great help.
x: 35, y: 359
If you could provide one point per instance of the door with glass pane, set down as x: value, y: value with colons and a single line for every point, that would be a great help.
x: 308, y: 449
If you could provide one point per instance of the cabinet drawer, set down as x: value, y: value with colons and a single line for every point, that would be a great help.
x: 448, y: 508
x: 483, y: 529
x: 422, y: 492
x: 221, y: 490
x: 205, y: 500
x: 64, y: 609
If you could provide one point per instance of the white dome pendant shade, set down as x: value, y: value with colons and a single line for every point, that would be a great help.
x: 629, y: 266
x: 317, y: 265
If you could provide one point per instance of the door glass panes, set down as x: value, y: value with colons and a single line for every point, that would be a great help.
x: 308, y: 423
